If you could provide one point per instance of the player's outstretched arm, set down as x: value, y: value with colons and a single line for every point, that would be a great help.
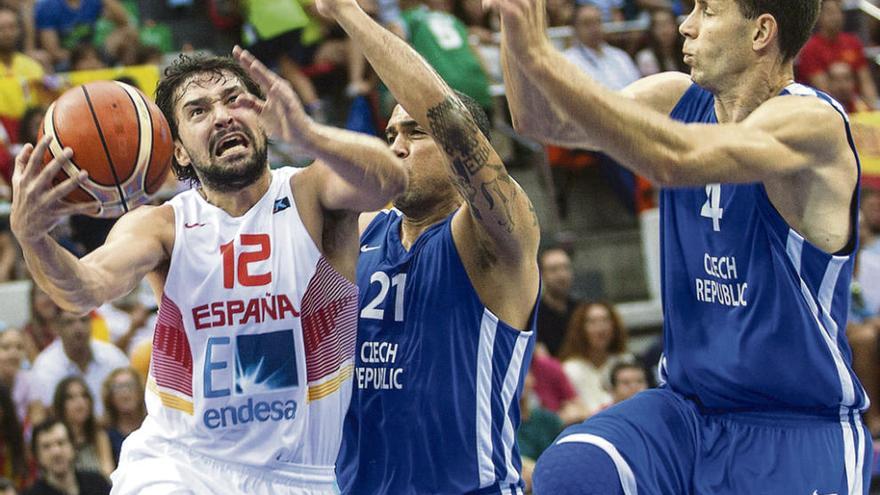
x: 367, y: 175
x: 497, y: 207
x: 781, y: 137
x: 133, y: 247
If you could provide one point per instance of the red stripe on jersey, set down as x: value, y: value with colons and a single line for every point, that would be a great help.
x: 329, y: 321
x: 172, y: 362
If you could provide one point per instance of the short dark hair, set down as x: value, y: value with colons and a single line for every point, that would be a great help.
x: 624, y: 365
x: 42, y: 428
x: 795, y: 19
x: 477, y: 113
x: 181, y: 70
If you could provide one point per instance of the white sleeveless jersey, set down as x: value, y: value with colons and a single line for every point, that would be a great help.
x: 254, y: 344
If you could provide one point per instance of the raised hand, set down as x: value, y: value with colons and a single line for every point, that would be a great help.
x: 37, y: 205
x: 524, y: 23
x: 282, y: 111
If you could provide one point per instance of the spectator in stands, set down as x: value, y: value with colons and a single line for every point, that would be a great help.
x: 863, y: 323
x: 557, y: 304
x: 442, y: 39
x: 76, y: 353
x: 30, y: 124
x: 86, y: 56
x: 609, y: 10
x: 537, y: 429
x: 560, y: 13
x: 607, y: 65
x: 7, y: 487
x: 53, y: 449
x: 28, y: 407
x: 627, y: 379
x: 13, y: 458
x: 63, y: 24
x: 480, y: 23
x: 663, y: 52
x: 283, y: 34
x: 842, y: 87
x: 14, y: 63
x: 553, y: 389
x: 124, y: 407
x: 74, y: 405
x: 830, y: 44
x: 38, y: 333
x: 870, y: 209
x: 596, y: 341
x: 8, y: 251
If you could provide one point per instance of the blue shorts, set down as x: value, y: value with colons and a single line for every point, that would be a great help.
x: 661, y: 443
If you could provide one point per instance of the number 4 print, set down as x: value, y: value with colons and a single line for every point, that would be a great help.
x: 712, y: 209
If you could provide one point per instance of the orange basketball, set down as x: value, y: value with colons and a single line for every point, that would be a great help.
x: 118, y: 135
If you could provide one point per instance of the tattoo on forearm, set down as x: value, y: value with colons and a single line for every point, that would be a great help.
x: 456, y: 132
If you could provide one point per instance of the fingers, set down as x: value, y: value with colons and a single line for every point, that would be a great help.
x: 44, y: 180
x: 259, y: 72
x: 66, y: 187
x: 247, y: 100
x: 91, y: 208
x: 21, y: 161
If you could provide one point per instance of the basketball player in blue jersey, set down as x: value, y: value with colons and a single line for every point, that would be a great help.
x: 758, y: 230
x: 449, y: 282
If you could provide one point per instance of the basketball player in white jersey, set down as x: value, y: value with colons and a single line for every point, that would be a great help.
x: 254, y: 345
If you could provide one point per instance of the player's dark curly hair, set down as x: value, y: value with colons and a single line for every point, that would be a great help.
x: 795, y: 19
x: 179, y: 72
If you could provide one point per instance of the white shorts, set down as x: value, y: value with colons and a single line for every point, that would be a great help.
x: 149, y: 466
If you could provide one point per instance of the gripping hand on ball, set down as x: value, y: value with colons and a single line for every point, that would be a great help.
x: 282, y: 111
x: 37, y: 204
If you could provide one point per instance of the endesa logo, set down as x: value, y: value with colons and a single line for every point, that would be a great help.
x: 263, y: 363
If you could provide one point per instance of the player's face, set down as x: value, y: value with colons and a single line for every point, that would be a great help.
x: 429, y: 183
x: 599, y: 327
x: 222, y: 139
x: 718, y: 43
x: 54, y: 450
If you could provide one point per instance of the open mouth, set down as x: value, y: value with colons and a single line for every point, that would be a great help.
x: 231, y: 143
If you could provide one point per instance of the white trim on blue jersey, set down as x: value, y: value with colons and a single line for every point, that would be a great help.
x: 488, y: 326
x: 627, y: 478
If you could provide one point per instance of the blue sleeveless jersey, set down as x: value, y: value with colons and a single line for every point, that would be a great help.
x: 755, y: 316
x: 436, y: 398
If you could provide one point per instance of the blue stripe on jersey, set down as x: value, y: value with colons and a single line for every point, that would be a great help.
x: 447, y: 425
x: 754, y: 314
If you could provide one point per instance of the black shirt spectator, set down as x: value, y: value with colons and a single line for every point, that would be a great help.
x: 557, y: 304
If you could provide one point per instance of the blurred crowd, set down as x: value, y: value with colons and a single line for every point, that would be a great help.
x: 72, y: 386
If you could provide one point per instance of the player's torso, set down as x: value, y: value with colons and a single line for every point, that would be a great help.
x: 253, y: 349
x: 754, y: 314
x: 428, y: 353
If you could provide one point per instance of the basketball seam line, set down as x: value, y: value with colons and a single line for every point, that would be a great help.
x: 106, y: 150
x: 137, y: 156
x: 153, y: 147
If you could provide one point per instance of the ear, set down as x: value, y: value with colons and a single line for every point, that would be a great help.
x: 766, y: 31
x: 181, y: 155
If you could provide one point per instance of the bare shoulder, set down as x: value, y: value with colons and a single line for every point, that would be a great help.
x: 659, y: 91
x: 806, y: 124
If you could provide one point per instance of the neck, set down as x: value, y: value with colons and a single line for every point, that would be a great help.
x: 80, y: 357
x: 128, y: 422
x: 64, y: 481
x: 239, y: 202
x: 555, y: 301
x: 597, y: 357
x: 413, y: 226
x: 755, y: 86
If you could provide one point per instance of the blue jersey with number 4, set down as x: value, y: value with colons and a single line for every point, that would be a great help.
x: 755, y: 315
x: 438, y: 379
